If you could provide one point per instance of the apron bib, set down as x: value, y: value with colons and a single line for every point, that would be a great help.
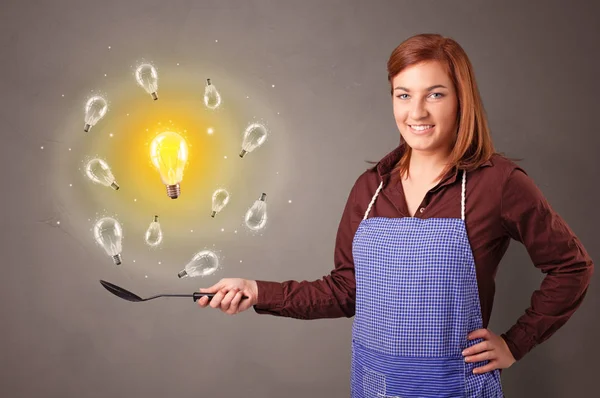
x: 416, y: 301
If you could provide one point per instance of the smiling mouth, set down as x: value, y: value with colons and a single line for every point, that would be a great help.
x: 421, y: 128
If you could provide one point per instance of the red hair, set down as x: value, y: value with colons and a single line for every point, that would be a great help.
x: 473, y: 145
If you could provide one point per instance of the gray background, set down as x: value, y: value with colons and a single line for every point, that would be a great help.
x: 62, y: 335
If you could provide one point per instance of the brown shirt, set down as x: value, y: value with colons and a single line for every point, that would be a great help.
x: 501, y: 202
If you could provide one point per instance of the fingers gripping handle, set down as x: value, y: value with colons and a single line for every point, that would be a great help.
x: 198, y: 295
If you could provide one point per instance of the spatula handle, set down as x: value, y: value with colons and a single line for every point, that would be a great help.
x: 198, y: 295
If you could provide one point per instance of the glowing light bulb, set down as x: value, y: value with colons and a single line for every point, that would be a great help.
x: 254, y: 136
x: 95, y: 109
x: 256, y: 216
x: 98, y: 171
x: 203, y: 263
x: 169, y: 154
x: 109, y: 235
x: 212, y: 98
x: 154, y: 235
x: 220, y: 198
x: 147, y: 77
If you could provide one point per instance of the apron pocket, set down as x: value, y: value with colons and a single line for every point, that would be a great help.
x: 377, y: 375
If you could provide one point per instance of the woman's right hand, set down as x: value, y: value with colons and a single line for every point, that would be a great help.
x: 228, y: 295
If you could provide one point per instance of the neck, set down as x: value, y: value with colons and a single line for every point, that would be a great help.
x: 427, y: 166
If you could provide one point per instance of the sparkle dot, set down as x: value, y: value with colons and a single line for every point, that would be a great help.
x: 222, y: 229
x: 111, y: 134
x: 216, y: 41
x: 225, y: 156
x: 128, y: 114
x: 235, y: 232
x: 278, y: 113
x: 105, y: 75
x: 210, y: 130
x: 41, y: 147
x: 69, y: 149
x: 58, y: 223
x: 191, y: 230
x: 134, y: 261
x: 290, y: 201
x: 63, y: 95
x: 272, y: 85
x: 135, y: 200
x: 146, y: 276
x: 240, y: 261
x: 177, y: 63
x: 159, y: 263
x: 277, y: 173
x: 70, y: 185
x: 109, y: 47
x: 247, y: 96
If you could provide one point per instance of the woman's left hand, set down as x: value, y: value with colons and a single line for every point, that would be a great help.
x: 493, y: 348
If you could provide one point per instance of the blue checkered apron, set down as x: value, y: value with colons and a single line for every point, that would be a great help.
x: 416, y: 302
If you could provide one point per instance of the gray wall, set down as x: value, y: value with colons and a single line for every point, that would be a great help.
x: 62, y: 335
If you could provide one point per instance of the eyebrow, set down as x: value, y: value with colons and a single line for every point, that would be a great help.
x: 427, y: 89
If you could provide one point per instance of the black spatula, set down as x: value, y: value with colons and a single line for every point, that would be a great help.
x: 127, y: 295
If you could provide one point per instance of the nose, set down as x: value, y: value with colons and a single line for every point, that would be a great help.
x: 418, y: 110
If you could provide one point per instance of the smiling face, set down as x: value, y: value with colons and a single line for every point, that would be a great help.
x: 425, y: 108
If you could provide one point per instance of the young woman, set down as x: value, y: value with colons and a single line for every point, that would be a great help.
x: 420, y: 241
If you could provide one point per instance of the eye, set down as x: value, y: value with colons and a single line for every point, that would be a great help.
x: 439, y: 94
x: 401, y: 96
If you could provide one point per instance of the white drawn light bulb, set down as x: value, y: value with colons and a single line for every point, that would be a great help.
x: 98, y: 171
x: 254, y: 136
x: 202, y: 264
x: 220, y: 198
x: 256, y: 216
x: 95, y: 109
x: 147, y: 77
x: 109, y: 235
x: 154, y: 235
x: 212, y: 98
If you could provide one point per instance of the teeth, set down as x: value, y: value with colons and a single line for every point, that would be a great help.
x: 422, y: 127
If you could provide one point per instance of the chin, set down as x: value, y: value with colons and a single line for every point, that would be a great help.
x: 419, y: 144
x: 426, y: 144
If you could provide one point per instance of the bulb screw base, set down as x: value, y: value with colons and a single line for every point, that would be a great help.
x: 114, y: 186
x: 263, y: 196
x: 182, y: 274
x: 117, y: 259
x: 87, y: 127
x: 242, y: 153
x: 154, y: 96
x: 213, y: 214
x: 173, y: 191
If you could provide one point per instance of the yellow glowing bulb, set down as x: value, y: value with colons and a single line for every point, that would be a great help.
x: 169, y: 154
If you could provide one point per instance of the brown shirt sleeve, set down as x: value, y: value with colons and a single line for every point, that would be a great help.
x: 333, y: 296
x: 553, y: 248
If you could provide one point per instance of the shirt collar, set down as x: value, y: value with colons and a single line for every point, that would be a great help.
x: 385, y: 166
